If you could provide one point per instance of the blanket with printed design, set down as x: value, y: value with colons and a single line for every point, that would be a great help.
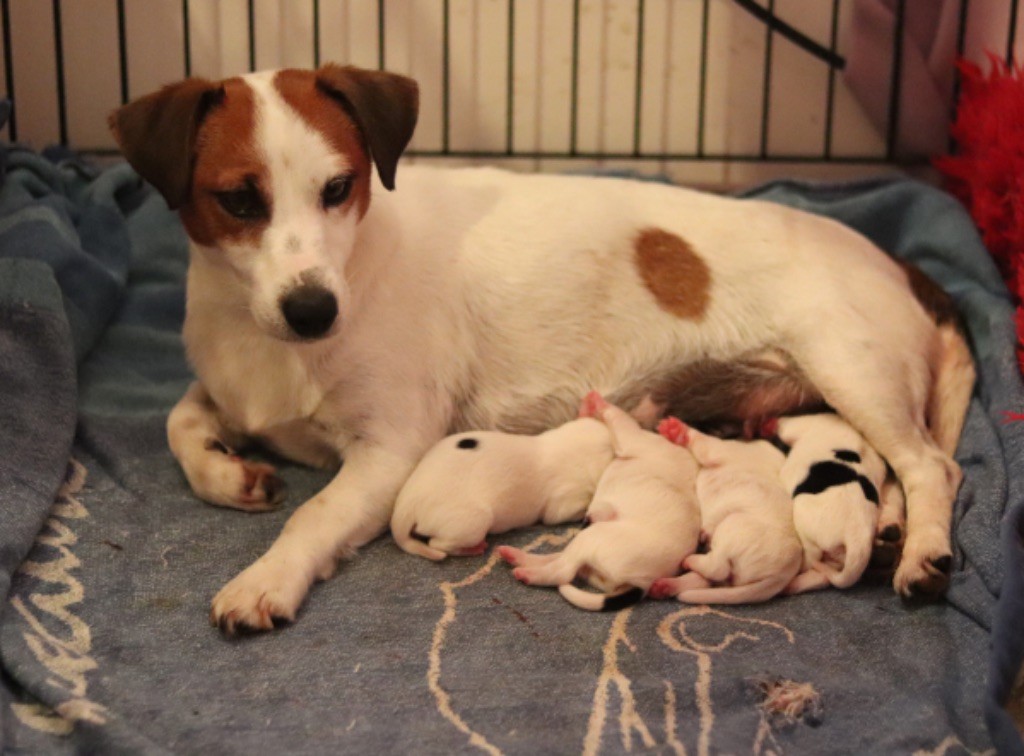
x: 108, y: 563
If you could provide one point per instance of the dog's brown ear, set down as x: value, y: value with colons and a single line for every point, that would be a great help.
x: 384, y: 106
x: 157, y: 134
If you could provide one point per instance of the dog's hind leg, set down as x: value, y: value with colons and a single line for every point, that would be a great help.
x: 203, y: 447
x: 881, y: 389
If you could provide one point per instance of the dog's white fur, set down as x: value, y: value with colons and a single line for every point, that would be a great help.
x: 836, y: 526
x: 643, y: 520
x: 457, y: 495
x: 481, y: 298
x: 746, y: 520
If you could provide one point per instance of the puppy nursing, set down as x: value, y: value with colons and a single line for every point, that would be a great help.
x: 834, y: 477
x: 746, y: 517
x: 472, y: 484
x: 643, y: 519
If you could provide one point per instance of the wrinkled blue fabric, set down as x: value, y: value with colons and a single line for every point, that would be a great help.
x: 133, y: 569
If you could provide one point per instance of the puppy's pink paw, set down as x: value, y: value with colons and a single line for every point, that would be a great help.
x: 593, y: 405
x: 520, y: 574
x: 687, y: 563
x: 769, y: 427
x: 477, y: 550
x: 675, y: 430
x: 662, y: 588
x: 510, y: 554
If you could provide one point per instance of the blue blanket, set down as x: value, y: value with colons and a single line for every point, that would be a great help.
x: 108, y: 563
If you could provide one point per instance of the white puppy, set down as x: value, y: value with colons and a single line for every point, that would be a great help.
x: 644, y: 521
x: 747, y: 517
x: 481, y: 482
x: 835, y: 478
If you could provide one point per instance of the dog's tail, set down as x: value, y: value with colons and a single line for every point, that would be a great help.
x: 402, y: 529
x: 600, y: 602
x: 952, y: 384
x: 751, y: 593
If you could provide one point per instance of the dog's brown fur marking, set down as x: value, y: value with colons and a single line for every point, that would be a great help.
x: 226, y: 158
x: 677, y: 277
x: 935, y: 300
x: 299, y: 89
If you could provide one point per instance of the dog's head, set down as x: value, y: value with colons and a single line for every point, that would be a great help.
x: 271, y: 173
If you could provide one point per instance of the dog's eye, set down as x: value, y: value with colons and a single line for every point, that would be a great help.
x: 336, y: 191
x: 244, y: 203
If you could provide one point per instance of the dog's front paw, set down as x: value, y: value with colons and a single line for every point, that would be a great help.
x: 261, y: 597
x: 228, y: 480
x: 924, y: 570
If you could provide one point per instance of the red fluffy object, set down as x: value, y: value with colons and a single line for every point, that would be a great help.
x: 987, y: 173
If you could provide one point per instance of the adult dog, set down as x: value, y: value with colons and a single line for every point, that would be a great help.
x: 329, y: 319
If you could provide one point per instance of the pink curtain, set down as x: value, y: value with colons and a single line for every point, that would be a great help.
x: 929, y: 53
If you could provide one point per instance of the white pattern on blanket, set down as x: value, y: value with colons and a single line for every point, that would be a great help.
x: 66, y: 658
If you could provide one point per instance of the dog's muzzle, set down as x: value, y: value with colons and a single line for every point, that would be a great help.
x: 309, y: 310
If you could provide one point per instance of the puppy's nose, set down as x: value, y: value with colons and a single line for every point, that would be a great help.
x: 310, y: 310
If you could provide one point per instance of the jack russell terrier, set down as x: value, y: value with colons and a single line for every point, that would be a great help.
x: 329, y: 317
x: 746, y: 520
x: 835, y: 480
x: 643, y: 521
x: 481, y: 482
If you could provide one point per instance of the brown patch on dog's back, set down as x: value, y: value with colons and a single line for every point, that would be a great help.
x: 676, y: 275
x: 299, y: 89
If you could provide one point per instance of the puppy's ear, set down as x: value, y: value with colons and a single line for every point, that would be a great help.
x: 157, y: 134
x: 384, y: 106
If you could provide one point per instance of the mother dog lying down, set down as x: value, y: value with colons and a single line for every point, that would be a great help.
x: 329, y: 318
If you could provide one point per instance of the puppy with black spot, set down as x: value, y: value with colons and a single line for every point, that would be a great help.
x: 643, y: 521
x: 746, y: 519
x: 834, y: 477
x: 472, y: 484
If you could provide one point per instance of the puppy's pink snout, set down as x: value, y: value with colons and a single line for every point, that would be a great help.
x: 309, y: 310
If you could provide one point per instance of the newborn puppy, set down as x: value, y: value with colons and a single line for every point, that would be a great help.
x: 643, y: 520
x: 835, y: 479
x: 747, y: 519
x: 481, y: 482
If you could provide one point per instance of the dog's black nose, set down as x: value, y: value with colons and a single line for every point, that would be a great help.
x: 310, y: 310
